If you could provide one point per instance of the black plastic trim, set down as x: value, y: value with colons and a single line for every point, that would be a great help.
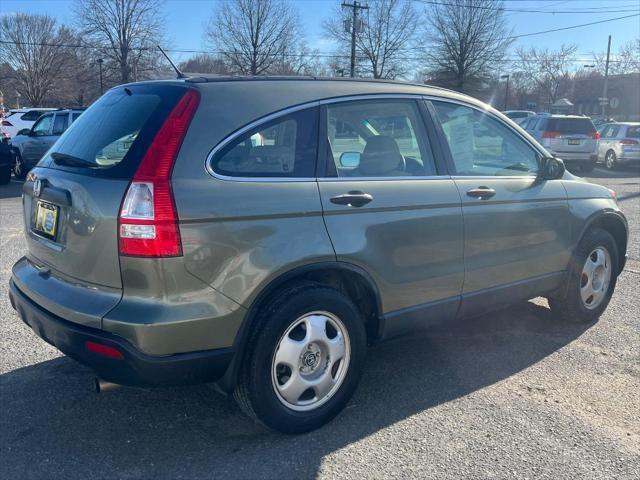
x: 137, y: 368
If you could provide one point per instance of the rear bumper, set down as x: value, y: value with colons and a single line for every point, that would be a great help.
x: 135, y: 368
x: 577, y: 157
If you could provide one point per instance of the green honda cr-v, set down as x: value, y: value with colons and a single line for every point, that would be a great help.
x: 261, y: 232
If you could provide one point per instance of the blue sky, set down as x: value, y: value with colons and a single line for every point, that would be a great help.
x: 186, y: 20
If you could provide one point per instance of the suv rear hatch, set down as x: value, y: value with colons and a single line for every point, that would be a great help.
x: 72, y: 199
x: 570, y: 135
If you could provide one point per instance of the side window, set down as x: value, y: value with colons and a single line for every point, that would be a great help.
x: 43, y: 126
x: 377, y: 138
x: 74, y: 116
x: 614, y: 132
x: 482, y: 145
x: 60, y: 123
x: 284, y: 147
x: 31, y: 115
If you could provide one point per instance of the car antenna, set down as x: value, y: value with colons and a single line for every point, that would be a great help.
x: 178, y: 72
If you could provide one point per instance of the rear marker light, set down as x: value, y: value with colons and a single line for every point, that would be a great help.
x: 628, y: 142
x: 6, y: 123
x: 104, y: 350
x: 550, y: 134
x: 595, y: 135
x: 148, y: 220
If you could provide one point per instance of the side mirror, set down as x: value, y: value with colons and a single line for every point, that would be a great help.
x: 350, y: 159
x: 552, y: 168
x: 24, y: 131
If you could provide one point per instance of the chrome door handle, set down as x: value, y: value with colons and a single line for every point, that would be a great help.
x: 354, y: 198
x: 481, y: 192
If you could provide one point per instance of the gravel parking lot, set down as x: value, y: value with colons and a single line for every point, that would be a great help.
x: 509, y: 395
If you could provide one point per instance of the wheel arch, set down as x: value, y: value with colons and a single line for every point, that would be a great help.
x: 348, y: 278
x: 614, y: 223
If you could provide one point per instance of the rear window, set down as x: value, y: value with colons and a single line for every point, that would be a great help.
x: 571, y: 125
x: 633, y: 132
x: 111, y: 136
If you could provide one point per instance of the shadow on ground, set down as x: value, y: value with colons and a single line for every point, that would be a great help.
x: 53, y: 424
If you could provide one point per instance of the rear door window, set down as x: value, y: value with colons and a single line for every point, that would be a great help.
x: 60, y: 123
x: 633, y: 132
x: 571, y: 125
x: 284, y: 147
x: 31, y: 116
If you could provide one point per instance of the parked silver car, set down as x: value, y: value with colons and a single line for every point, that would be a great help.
x: 619, y: 144
x: 572, y: 138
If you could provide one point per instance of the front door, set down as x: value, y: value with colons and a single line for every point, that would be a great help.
x: 389, y: 209
x: 517, y: 226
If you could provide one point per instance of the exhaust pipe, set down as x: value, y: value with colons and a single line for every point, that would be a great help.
x: 102, y: 386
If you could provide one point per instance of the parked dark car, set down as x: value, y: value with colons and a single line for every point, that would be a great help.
x: 260, y: 232
x: 29, y: 145
x: 6, y: 161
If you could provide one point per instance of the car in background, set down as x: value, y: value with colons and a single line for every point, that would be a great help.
x: 6, y: 161
x: 570, y: 137
x: 19, y: 119
x: 519, y: 116
x: 29, y: 145
x: 619, y: 144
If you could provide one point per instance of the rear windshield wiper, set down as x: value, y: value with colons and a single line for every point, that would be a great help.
x: 71, y: 161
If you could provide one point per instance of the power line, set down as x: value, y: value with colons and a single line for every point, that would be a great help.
x: 583, y: 10
x: 572, y: 26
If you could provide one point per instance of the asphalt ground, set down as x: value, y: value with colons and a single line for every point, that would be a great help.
x: 514, y: 394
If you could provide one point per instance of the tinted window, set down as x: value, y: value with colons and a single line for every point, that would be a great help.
x: 106, y: 131
x: 571, y: 125
x: 74, y: 116
x: 43, y: 126
x: 284, y: 147
x: 377, y: 138
x: 60, y: 123
x: 482, y: 145
x: 31, y: 116
x: 517, y: 114
x: 633, y: 132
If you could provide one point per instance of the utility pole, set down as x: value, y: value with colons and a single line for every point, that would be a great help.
x: 605, y: 99
x: 506, y: 92
x: 100, y: 61
x: 354, y: 23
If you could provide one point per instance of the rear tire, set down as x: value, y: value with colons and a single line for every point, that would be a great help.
x: 610, y: 160
x: 18, y: 170
x: 5, y: 175
x: 592, y: 279
x: 303, y: 333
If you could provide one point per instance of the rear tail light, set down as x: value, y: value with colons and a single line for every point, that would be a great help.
x: 148, y: 220
x: 6, y: 123
x: 628, y: 142
x: 595, y: 135
x: 550, y: 134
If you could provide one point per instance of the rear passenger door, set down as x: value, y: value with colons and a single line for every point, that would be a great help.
x: 517, y: 226
x: 38, y: 142
x: 390, y: 208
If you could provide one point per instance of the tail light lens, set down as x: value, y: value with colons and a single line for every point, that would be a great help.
x: 6, y: 123
x: 626, y: 141
x: 595, y: 135
x: 550, y: 134
x: 148, y: 220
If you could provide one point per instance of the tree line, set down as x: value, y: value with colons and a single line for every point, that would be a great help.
x: 458, y: 44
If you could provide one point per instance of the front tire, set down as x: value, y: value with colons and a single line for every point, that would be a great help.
x: 592, y: 279
x: 305, y: 361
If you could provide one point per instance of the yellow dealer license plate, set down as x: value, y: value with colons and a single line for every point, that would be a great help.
x: 46, y: 222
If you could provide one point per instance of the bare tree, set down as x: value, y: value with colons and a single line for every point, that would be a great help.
x: 205, y: 63
x: 385, y: 40
x: 126, y: 33
x: 465, y: 41
x: 35, y: 50
x: 627, y: 60
x: 254, y: 36
x: 548, y: 70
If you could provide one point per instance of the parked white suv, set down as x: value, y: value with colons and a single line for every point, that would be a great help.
x: 19, y: 119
